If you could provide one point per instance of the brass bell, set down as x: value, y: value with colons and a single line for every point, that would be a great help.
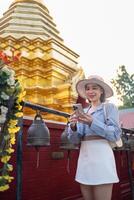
x: 38, y: 133
x: 66, y: 143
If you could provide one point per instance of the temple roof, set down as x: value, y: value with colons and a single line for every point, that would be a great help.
x: 126, y: 117
x: 29, y: 18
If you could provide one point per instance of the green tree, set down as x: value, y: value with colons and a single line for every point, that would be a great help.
x: 124, y: 85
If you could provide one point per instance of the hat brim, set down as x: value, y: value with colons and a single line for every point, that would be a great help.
x: 80, y: 87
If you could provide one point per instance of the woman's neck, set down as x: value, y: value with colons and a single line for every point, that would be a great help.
x: 93, y: 107
x: 95, y: 104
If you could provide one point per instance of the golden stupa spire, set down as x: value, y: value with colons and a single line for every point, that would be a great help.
x: 39, y: 1
x: 29, y: 18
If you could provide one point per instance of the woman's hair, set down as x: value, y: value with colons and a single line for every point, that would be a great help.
x: 103, y: 96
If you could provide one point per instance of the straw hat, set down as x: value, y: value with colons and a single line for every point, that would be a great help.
x: 80, y: 86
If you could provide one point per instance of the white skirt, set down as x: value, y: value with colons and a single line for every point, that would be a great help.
x: 96, y: 163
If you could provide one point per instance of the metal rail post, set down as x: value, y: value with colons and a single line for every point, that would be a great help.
x: 19, y: 162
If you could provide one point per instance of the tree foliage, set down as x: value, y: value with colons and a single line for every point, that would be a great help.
x: 124, y: 85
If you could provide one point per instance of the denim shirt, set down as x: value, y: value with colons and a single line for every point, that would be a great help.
x: 108, y: 128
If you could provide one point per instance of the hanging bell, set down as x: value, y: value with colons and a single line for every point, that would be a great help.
x: 38, y: 133
x: 66, y: 143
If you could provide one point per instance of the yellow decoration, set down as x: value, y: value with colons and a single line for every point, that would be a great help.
x: 19, y: 114
x: 11, y: 97
x: 15, y: 129
x: 12, y: 140
x: 13, y: 122
x: 10, y: 150
x: 3, y: 188
x: 10, y: 168
x: 8, y: 178
x: 5, y: 159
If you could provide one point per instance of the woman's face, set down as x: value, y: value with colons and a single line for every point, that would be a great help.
x: 93, y: 92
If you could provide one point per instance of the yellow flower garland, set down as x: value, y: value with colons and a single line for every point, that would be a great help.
x: 11, y: 97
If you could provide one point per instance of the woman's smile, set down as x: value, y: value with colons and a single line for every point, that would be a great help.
x: 93, y: 92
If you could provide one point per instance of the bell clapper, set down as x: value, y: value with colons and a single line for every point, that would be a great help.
x: 68, y: 161
x: 38, y: 156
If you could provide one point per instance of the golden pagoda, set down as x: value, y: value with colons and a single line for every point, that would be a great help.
x: 48, y: 69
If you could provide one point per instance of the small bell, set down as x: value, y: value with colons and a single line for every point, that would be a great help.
x: 67, y: 145
x: 38, y: 134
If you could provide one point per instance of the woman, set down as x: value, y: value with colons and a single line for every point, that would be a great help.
x: 96, y: 169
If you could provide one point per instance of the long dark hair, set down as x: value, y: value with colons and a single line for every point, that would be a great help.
x: 103, y: 96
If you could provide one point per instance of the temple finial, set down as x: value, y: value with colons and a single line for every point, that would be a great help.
x: 39, y: 1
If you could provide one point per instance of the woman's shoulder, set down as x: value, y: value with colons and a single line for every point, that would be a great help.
x: 110, y: 106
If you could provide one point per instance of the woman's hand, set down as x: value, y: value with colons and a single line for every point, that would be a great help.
x: 73, y: 120
x: 85, y: 118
